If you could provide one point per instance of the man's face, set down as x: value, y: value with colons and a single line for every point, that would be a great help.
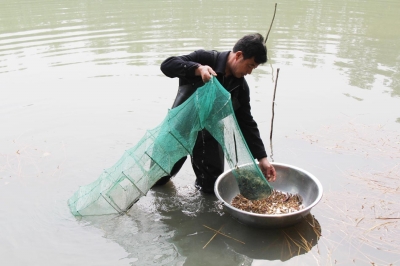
x: 241, y: 67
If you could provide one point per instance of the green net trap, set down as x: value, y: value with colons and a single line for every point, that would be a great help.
x: 153, y: 157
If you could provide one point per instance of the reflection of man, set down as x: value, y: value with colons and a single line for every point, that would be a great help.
x: 230, y: 67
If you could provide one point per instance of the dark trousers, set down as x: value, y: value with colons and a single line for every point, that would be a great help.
x: 207, y: 158
x: 207, y: 162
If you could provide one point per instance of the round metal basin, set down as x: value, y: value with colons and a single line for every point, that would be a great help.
x: 289, y: 179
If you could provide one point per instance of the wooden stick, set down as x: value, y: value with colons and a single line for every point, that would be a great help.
x: 273, y: 107
x: 266, y: 37
x: 218, y: 232
x: 273, y: 102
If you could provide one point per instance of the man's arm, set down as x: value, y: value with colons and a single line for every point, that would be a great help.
x: 251, y: 134
x: 188, y: 66
x: 248, y: 125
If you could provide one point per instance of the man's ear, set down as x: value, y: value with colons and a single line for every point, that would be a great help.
x: 238, y: 54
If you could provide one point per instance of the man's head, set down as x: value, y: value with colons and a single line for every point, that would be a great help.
x: 252, y: 45
x: 248, y: 53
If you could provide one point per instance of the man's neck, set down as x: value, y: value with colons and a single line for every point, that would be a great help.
x: 229, y: 61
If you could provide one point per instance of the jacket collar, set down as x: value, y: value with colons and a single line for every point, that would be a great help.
x: 221, y: 62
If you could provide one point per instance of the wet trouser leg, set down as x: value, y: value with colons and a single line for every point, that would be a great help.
x: 175, y: 169
x: 207, y: 161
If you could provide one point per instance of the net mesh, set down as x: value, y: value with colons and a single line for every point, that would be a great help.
x: 153, y: 157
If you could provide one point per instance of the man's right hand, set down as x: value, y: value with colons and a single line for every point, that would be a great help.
x: 205, y: 72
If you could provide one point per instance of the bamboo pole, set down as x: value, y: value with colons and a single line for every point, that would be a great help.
x: 270, y: 26
x: 276, y: 81
x: 273, y: 107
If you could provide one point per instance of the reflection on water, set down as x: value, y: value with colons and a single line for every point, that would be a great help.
x: 182, y: 223
x: 349, y: 36
x: 352, y: 36
x: 280, y: 244
x: 198, y: 232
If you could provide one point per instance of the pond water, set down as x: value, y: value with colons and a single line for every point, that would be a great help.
x: 80, y: 84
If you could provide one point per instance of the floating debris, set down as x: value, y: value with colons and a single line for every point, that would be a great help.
x: 277, y: 203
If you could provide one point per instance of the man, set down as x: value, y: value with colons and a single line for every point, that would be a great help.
x: 230, y: 67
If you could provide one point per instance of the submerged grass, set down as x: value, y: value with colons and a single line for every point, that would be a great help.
x: 365, y: 215
x: 362, y: 217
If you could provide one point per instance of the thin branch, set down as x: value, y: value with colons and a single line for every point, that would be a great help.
x: 266, y: 37
x: 273, y: 107
x: 218, y: 232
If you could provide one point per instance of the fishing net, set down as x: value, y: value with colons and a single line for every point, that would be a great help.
x: 153, y: 157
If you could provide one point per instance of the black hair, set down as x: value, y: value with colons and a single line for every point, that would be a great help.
x: 252, y: 45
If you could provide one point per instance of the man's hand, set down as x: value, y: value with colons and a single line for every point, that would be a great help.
x: 205, y: 72
x: 267, y: 169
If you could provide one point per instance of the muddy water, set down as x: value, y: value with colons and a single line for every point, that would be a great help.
x: 80, y: 83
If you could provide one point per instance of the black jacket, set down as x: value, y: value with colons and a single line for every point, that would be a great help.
x: 184, y: 68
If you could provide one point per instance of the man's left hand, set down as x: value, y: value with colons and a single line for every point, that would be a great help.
x: 267, y: 169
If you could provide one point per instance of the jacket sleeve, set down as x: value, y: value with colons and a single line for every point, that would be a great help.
x: 184, y: 66
x: 247, y: 124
